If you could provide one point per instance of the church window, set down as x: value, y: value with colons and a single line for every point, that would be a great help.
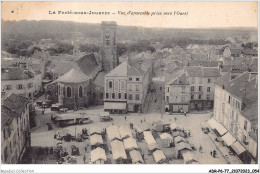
x: 68, y: 91
x: 80, y: 91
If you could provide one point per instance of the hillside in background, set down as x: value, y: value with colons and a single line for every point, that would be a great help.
x: 60, y: 30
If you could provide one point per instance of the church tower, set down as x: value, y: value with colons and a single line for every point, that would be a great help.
x: 109, y: 47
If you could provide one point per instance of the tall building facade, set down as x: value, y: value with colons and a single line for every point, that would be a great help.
x: 236, y: 108
x: 109, y: 47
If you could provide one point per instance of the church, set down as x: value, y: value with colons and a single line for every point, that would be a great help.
x: 83, y: 84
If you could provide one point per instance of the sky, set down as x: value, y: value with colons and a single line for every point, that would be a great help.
x: 196, y: 14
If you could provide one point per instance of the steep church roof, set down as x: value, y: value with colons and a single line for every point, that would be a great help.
x: 87, y: 63
x: 73, y: 76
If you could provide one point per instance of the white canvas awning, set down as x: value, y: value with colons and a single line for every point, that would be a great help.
x: 148, y: 137
x: 125, y: 131
x: 159, y: 156
x: 166, y: 136
x: 98, y: 154
x: 130, y: 143
x: 140, y: 127
x: 111, y: 105
x: 228, y: 139
x: 238, y: 148
x: 173, y: 126
x: 189, y: 157
x: 95, y: 139
x: 118, y: 150
x: 113, y: 133
x: 136, y: 157
x: 179, y: 139
x: 94, y: 129
x: 218, y: 126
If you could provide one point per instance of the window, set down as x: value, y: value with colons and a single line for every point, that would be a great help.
x: 192, y: 88
x: 229, y: 99
x: 80, y: 91
x: 192, y: 80
x: 130, y: 97
x: 200, y: 88
x: 137, y: 87
x: 110, y: 84
x: 8, y: 87
x: 4, y: 134
x: 29, y: 85
x: 11, y: 150
x: 168, y: 89
x: 68, y: 91
x: 113, y: 95
x: 137, y: 79
x: 137, y: 97
x: 200, y: 80
x: 167, y: 98
x: 107, y: 95
x: 245, y: 125
x: 223, y: 108
x: 243, y: 138
x: 183, y: 89
x: 19, y: 86
x: 209, y: 80
x: 59, y: 89
x: 119, y: 95
x: 125, y: 95
x: 192, y: 97
x: 208, y: 89
x: 130, y: 78
x: 208, y: 96
x: 200, y: 96
x: 130, y: 87
x: 238, y: 105
x: 5, y: 154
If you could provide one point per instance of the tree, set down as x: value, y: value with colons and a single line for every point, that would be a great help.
x: 121, y: 49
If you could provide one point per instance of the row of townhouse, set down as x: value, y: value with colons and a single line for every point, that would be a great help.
x: 191, y: 89
x: 18, y: 80
x: 236, y: 110
x: 15, y: 128
x: 126, y: 86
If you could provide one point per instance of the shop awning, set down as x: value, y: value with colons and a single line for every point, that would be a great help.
x: 98, y: 154
x: 113, y: 133
x: 130, y: 143
x: 238, y: 148
x: 148, y: 137
x: 96, y: 139
x: 125, y: 131
x: 111, y: 105
x: 136, y: 157
x: 159, y: 156
x: 228, y: 139
x: 218, y: 126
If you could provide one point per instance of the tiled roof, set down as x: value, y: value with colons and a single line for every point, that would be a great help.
x: 73, y: 76
x: 204, y: 63
x: 228, y: 68
x: 87, y: 63
x: 253, y: 67
x: 15, y: 73
x: 12, y: 107
x: 211, y: 72
x: 194, y: 71
x: 236, y: 61
x: 99, y: 80
x: 133, y: 70
x: 120, y: 70
x: 243, y: 88
x: 180, y: 80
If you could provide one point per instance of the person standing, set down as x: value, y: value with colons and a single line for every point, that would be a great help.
x: 200, y: 149
x: 211, y: 153
x: 84, y: 159
x: 125, y: 117
x: 214, y: 153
